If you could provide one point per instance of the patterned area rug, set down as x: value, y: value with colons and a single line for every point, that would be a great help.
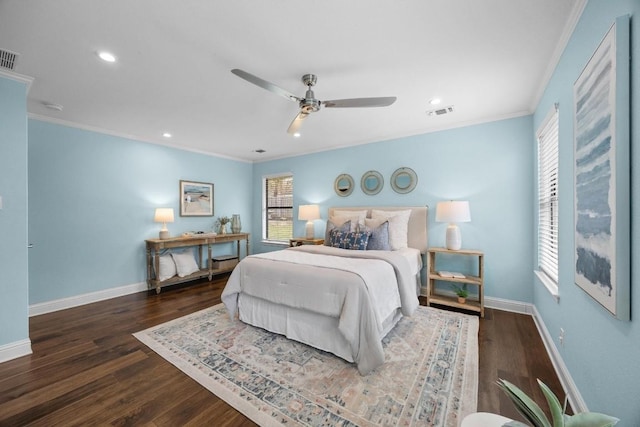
x: 430, y: 376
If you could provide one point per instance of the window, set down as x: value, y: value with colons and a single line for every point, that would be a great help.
x: 547, y: 136
x: 277, y: 211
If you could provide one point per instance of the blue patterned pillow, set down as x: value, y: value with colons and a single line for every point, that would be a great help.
x: 345, y: 227
x: 349, y: 240
x: 379, y: 238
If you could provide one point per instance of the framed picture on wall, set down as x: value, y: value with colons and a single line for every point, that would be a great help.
x: 196, y: 198
x: 602, y: 173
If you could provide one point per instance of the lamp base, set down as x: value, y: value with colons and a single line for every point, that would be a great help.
x: 164, y: 234
x: 310, y: 229
x: 454, y: 238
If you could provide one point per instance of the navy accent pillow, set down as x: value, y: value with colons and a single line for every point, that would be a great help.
x: 379, y: 238
x: 346, y: 227
x: 351, y: 240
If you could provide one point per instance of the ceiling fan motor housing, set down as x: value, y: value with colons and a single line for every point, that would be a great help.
x: 309, y: 103
x: 309, y: 79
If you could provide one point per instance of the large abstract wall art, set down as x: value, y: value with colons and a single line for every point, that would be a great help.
x: 601, y: 169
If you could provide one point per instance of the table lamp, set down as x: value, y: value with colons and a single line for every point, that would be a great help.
x: 309, y: 213
x: 453, y: 212
x: 164, y: 215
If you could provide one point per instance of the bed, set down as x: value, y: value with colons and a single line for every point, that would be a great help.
x: 339, y: 300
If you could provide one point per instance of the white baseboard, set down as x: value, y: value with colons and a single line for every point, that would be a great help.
x: 77, y: 300
x: 15, y: 349
x: 492, y: 302
x: 575, y: 398
x: 508, y: 305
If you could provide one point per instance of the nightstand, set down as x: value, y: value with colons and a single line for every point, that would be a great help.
x: 433, y: 276
x: 299, y: 241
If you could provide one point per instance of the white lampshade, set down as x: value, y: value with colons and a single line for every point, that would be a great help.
x: 309, y: 213
x: 164, y: 215
x: 453, y: 212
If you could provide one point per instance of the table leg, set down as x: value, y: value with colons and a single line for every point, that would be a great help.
x: 149, y: 267
x: 209, y: 262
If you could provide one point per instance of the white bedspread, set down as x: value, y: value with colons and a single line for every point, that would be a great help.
x: 359, y: 288
x: 406, y: 263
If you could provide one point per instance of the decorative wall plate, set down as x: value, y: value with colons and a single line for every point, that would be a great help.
x: 371, y: 182
x: 343, y: 185
x: 404, y: 180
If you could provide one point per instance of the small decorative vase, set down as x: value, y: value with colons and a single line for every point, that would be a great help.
x: 223, y: 229
x: 236, y: 225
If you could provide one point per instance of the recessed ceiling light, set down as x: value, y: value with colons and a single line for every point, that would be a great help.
x: 167, y: 135
x: 296, y: 135
x: 260, y: 150
x: 435, y: 101
x: 106, y: 56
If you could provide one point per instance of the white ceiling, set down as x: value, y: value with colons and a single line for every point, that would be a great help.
x: 490, y: 59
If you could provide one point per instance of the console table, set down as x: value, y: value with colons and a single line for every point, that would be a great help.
x: 155, y: 246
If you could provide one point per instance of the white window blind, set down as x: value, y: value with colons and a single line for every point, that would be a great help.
x: 278, y: 208
x: 548, y: 196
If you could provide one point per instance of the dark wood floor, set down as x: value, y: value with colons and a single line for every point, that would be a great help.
x: 87, y: 368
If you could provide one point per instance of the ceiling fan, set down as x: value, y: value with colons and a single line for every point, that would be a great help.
x: 309, y: 104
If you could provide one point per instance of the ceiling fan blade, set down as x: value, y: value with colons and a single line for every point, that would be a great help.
x: 265, y: 84
x: 360, y: 102
x: 297, y: 122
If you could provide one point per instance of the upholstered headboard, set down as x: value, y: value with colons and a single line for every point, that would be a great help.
x: 417, y: 235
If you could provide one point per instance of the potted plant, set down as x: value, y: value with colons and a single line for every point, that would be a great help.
x: 536, y: 416
x: 461, y: 292
x: 221, y: 224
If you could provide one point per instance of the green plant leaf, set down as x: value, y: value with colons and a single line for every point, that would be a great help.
x: 590, y: 419
x: 557, y: 412
x: 461, y: 291
x: 534, y: 415
x: 525, y: 405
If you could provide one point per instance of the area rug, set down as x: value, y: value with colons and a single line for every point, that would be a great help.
x: 430, y: 375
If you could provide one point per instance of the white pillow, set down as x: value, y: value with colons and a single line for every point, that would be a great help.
x: 398, y: 226
x: 361, y: 214
x: 185, y: 263
x: 166, y: 266
x: 338, y: 220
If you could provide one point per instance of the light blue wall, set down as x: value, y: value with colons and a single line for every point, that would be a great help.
x: 92, y: 200
x: 601, y: 353
x: 14, y: 281
x: 491, y: 165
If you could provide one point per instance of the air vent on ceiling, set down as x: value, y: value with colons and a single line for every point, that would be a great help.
x: 8, y: 59
x: 441, y: 111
